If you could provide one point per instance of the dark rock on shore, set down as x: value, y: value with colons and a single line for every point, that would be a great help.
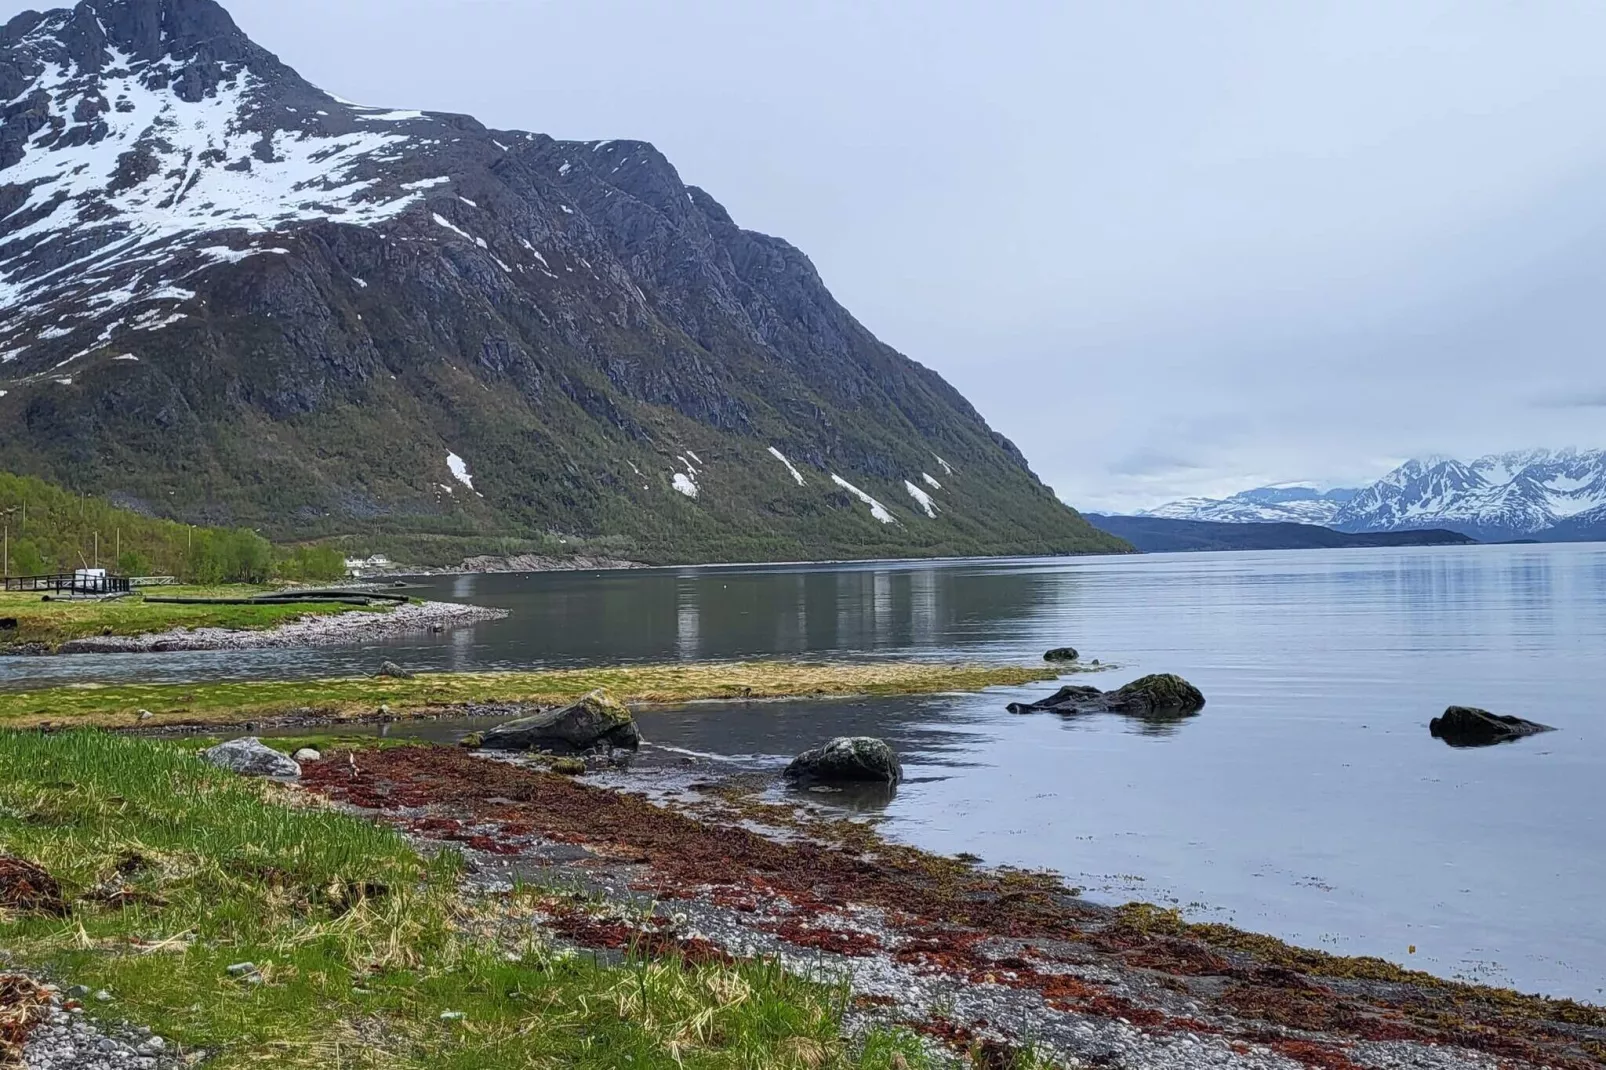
x: 1162, y: 694
x: 1468, y: 726
x: 1062, y: 653
x: 596, y: 722
x: 394, y: 671
x: 847, y: 759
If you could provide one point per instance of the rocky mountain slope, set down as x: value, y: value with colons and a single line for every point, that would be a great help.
x: 230, y: 297
x: 1550, y: 495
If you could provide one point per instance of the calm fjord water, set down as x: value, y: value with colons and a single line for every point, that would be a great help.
x: 1306, y: 800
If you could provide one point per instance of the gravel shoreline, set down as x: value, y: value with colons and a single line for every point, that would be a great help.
x: 667, y: 856
x: 63, y: 1037
x: 337, y: 628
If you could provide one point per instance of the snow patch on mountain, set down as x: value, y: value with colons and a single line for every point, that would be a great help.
x: 123, y: 172
x: 921, y: 498
x: 790, y: 467
x: 877, y: 510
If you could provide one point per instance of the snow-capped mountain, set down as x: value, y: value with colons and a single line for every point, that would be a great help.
x: 227, y: 296
x: 1526, y: 494
x: 1299, y: 503
x: 1537, y: 493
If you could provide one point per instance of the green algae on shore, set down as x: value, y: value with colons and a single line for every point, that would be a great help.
x: 357, y: 698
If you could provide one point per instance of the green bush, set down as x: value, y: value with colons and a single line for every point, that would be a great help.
x: 313, y: 563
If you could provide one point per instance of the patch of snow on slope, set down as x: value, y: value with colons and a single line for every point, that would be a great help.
x: 877, y: 510
x: 779, y: 456
x: 946, y: 467
x: 426, y: 183
x: 932, y: 483
x: 459, y: 469
x: 694, y: 456
x: 76, y: 203
x: 685, y: 484
x: 922, y: 497
x: 392, y: 116
x: 448, y: 224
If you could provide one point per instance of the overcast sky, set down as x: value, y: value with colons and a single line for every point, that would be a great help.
x: 1168, y: 248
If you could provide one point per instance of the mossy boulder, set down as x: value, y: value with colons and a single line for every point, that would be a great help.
x: 1468, y: 726
x: 595, y: 722
x: 1163, y: 694
x: 847, y: 759
x: 1160, y: 693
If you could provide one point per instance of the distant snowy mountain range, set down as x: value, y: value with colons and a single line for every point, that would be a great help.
x: 1553, y: 495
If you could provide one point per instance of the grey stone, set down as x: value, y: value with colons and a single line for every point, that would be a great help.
x: 1062, y: 653
x: 394, y: 671
x: 596, y: 722
x: 306, y: 754
x: 251, y: 757
x: 861, y: 759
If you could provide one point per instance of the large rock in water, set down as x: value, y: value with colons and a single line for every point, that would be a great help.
x: 848, y: 759
x: 250, y: 757
x: 595, y: 722
x: 1162, y: 693
x: 1468, y: 726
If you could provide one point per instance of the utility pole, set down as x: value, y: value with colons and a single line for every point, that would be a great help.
x: 97, y: 549
x: 5, y: 542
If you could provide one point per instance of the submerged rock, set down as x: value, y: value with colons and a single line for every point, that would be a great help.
x: 1062, y: 653
x: 1468, y: 726
x: 1162, y: 694
x: 848, y: 759
x: 250, y: 757
x: 596, y: 722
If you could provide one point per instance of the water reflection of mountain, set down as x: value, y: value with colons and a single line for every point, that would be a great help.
x: 702, y: 614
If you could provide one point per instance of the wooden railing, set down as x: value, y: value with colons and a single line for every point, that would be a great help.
x: 67, y: 583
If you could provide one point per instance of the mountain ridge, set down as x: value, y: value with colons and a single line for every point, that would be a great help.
x: 231, y: 297
x: 1541, y: 494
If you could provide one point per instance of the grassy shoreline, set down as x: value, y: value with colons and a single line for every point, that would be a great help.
x: 362, y: 951
x: 50, y: 624
x: 428, y: 694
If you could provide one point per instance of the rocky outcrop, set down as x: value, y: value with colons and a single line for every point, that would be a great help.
x: 1468, y: 726
x: 596, y: 722
x: 847, y: 759
x: 251, y: 757
x: 1162, y: 694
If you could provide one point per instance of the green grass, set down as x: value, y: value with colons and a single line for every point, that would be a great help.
x: 57, y: 621
x: 361, y: 943
x: 235, y: 701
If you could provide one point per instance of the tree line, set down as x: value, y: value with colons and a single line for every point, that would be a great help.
x: 47, y: 530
